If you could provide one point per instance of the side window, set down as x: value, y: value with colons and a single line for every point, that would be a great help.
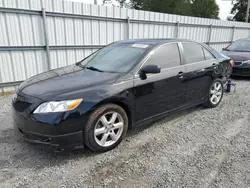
x: 193, y: 52
x: 166, y: 56
x: 208, y: 54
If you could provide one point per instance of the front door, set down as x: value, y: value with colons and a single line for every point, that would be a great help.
x: 164, y: 91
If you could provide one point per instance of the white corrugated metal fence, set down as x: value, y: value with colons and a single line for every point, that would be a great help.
x: 33, y: 41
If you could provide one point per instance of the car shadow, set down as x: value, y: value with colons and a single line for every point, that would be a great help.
x: 163, y: 119
x: 29, y: 155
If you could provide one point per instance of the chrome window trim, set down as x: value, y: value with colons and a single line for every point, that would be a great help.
x: 205, y: 61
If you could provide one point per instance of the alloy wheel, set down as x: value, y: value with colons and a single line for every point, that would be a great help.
x: 216, y: 93
x: 108, y: 129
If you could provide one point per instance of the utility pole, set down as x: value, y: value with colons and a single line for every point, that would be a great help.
x: 247, y: 14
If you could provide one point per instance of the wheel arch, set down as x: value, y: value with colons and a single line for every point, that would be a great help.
x: 127, y: 110
x: 124, y: 105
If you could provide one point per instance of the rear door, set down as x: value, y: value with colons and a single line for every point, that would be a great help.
x: 164, y: 91
x: 201, y: 65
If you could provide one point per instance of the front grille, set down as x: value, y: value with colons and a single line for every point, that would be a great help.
x: 237, y: 63
x: 241, y: 71
x: 20, y: 106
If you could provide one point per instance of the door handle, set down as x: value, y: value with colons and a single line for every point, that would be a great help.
x: 180, y: 74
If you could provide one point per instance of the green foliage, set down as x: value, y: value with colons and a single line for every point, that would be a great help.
x: 198, y: 8
x: 205, y: 9
x: 239, y: 9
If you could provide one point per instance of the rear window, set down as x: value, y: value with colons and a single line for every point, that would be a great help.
x: 240, y: 45
x: 193, y: 52
x: 208, y: 54
x: 117, y: 57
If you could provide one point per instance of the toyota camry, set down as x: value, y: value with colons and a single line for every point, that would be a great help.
x: 95, y: 101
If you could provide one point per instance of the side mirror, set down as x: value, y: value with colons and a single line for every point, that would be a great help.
x: 149, y: 69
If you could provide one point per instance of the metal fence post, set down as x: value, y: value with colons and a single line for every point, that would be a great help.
x: 177, y: 29
x: 128, y: 26
x: 45, y: 30
x: 210, y: 34
x: 232, y: 39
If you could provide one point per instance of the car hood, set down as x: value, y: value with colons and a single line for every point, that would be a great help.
x: 64, y: 80
x: 237, y: 56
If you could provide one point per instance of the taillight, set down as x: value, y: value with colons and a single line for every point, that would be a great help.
x: 231, y: 63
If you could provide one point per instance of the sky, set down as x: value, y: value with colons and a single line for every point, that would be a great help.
x: 225, y: 6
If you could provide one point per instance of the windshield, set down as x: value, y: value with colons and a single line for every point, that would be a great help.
x: 116, y: 58
x: 240, y: 45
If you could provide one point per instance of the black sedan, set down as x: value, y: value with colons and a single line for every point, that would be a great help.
x: 239, y: 51
x: 127, y: 83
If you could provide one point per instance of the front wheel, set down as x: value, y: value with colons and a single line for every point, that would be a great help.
x: 106, y: 128
x: 215, y: 94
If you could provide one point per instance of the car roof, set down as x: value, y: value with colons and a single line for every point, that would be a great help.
x: 156, y: 42
x: 153, y: 42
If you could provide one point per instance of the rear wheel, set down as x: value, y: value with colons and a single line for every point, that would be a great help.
x: 215, y: 94
x: 106, y: 128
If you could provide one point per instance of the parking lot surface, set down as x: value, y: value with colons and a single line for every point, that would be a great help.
x: 195, y: 148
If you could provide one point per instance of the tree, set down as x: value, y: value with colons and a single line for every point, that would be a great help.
x: 198, y: 8
x: 122, y: 3
x: 239, y: 10
x: 181, y: 7
x: 205, y: 9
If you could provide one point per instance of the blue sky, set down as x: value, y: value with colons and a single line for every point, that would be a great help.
x: 225, y: 6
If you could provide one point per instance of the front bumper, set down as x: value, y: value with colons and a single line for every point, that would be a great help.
x: 60, y: 130
x: 243, y: 70
x: 61, y: 141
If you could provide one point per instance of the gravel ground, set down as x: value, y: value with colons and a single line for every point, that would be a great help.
x: 196, y: 148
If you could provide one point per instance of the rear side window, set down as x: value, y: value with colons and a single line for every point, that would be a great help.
x: 207, y: 54
x: 193, y: 52
x: 166, y: 56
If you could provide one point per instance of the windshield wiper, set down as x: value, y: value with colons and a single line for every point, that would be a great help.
x: 94, y: 69
x: 241, y: 51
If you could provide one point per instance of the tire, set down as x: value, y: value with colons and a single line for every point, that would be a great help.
x: 212, y: 103
x: 101, y: 126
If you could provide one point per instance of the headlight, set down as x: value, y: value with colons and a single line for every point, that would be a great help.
x: 57, y: 106
x: 247, y: 62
